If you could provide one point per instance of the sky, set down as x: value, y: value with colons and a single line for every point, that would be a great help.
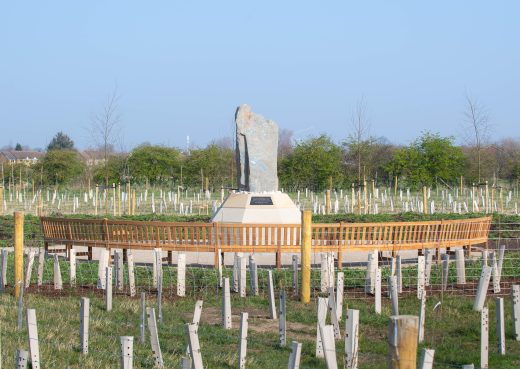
x: 180, y: 68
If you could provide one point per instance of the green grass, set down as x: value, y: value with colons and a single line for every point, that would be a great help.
x: 453, y: 330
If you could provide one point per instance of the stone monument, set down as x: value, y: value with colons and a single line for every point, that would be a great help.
x: 258, y: 199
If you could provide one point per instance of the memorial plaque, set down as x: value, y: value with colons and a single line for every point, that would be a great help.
x: 261, y: 200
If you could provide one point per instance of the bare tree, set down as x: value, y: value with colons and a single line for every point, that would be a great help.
x: 477, y: 127
x: 359, y: 140
x: 105, y: 131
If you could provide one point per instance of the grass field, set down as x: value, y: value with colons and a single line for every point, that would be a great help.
x: 453, y: 330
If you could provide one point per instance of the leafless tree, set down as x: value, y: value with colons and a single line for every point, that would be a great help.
x: 476, y: 128
x: 359, y: 139
x: 105, y: 127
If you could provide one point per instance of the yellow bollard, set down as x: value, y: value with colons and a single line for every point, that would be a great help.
x: 305, y: 296
x: 18, y: 252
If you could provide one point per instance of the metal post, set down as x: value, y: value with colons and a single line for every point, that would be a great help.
x: 295, y: 282
x: 281, y: 322
x: 143, y: 318
x: 501, y: 331
x: 270, y: 292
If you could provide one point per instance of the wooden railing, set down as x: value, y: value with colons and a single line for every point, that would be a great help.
x: 270, y: 238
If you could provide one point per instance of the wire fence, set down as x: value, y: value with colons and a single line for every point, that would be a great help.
x: 56, y: 285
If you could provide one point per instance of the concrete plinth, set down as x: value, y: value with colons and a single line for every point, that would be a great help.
x: 262, y: 208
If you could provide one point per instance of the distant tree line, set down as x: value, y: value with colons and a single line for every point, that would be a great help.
x: 314, y: 163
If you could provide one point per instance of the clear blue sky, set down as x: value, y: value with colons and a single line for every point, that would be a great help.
x: 181, y: 67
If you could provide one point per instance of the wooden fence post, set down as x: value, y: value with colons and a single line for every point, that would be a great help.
x: 18, y: 252
x: 402, y: 342
x: 306, y: 238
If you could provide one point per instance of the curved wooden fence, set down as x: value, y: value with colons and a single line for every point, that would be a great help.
x: 270, y: 238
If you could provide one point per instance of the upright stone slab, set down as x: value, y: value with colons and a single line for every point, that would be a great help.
x: 257, y: 148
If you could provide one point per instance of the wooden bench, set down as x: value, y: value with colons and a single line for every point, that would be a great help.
x: 269, y: 238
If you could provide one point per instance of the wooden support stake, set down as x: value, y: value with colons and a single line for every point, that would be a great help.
x: 131, y: 273
x: 104, y: 255
x: 501, y: 331
x: 428, y: 260
x: 242, y: 276
x: 394, y: 296
x: 127, y: 352
x: 426, y: 358
x: 402, y: 341
x: 253, y: 276
x: 84, y: 318
x: 445, y: 271
x: 351, y: 339
x: 329, y: 345
x: 421, y: 272
x: 377, y: 291
x: 142, y: 326
x: 399, y: 274
x: 32, y: 330
x: 460, y: 266
x: 482, y: 288
x: 422, y: 317
x: 294, y: 358
x: 226, y: 305
x: 58, y: 282
x: 193, y: 342
x: 41, y: 265
x: 340, y: 281
x: 118, y: 264
x: 3, y: 275
x: 18, y: 252
x: 72, y: 264
x: 242, y: 346
x: 108, y: 288
x: 295, y: 281
x: 181, y: 275
x: 306, y: 238
x: 270, y: 292
x: 515, y: 296
x: 495, y: 274
x: 154, y: 338
x: 28, y: 272
x: 484, y: 338
x: 322, y: 316
x: 282, y: 321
